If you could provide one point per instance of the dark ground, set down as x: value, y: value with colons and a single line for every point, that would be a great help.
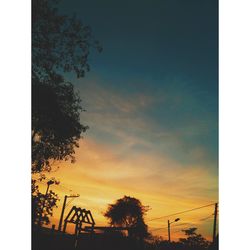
x: 59, y: 241
x: 52, y: 240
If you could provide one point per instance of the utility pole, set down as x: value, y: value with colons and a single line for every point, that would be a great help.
x: 63, y: 208
x: 215, y: 221
x: 169, y: 232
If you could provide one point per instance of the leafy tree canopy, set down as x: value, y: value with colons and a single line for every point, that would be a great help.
x: 194, y: 241
x: 60, y: 44
x: 128, y: 212
x: 42, y: 204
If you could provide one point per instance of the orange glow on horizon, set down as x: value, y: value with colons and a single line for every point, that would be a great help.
x: 100, y: 177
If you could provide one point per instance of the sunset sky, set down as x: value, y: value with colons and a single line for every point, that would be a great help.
x: 152, y: 107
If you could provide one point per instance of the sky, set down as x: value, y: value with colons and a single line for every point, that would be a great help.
x: 151, y: 100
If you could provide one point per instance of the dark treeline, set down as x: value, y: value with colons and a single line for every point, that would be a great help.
x: 50, y: 240
x: 126, y: 216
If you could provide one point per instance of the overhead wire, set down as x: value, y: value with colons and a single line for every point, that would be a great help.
x: 182, y: 224
x: 182, y: 212
x: 68, y: 203
x: 178, y: 231
x: 59, y: 186
x: 206, y: 218
x: 156, y: 229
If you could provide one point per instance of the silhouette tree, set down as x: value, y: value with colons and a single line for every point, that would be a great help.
x: 42, y: 204
x: 60, y: 44
x: 154, y: 242
x: 128, y: 212
x: 194, y: 241
x: 56, y: 123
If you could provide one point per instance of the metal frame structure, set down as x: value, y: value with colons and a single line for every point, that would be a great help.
x: 78, y: 216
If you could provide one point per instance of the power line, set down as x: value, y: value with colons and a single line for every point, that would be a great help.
x: 59, y: 186
x: 156, y: 229
x: 70, y: 202
x: 186, y: 211
x: 179, y: 231
x: 182, y: 224
x: 64, y: 188
x: 206, y: 218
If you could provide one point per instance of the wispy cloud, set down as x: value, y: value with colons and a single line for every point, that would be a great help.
x: 101, y: 176
x: 99, y: 98
x: 127, y: 151
x: 115, y: 116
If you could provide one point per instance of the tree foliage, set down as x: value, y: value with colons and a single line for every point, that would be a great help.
x: 194, y: 241
x: 128, y: 212
x: 60, y: 44
x: 56, y: 127
x: 42, y: 204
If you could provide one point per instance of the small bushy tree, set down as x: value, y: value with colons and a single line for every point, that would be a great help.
x: 194, y: 241
x: 42, y: 204
x: 128, y: 212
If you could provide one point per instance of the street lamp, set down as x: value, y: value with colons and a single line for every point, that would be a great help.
x: 169, y: 223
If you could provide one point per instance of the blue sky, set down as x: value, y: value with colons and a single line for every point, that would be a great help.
x: 165, y: 51
x: 152, y: 105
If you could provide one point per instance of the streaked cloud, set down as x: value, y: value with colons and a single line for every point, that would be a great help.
x: 128, y: 151
x: 101, y: 176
